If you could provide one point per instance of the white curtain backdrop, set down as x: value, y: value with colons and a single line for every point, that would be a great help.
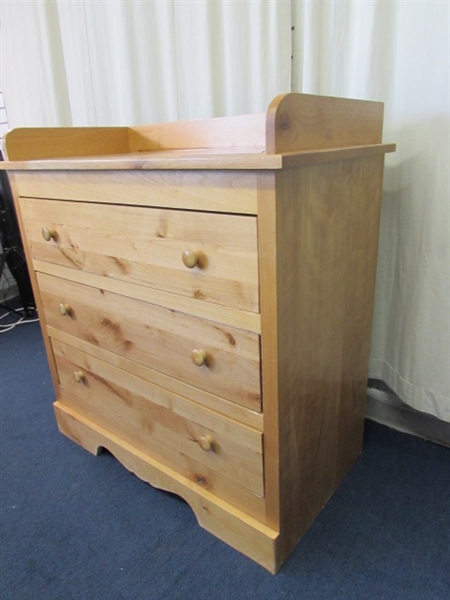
x: 125, y: 62
x: 129, y: 62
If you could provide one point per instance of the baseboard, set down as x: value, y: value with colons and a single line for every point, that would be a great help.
x: 383, y: 406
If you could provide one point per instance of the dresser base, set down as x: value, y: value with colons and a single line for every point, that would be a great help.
x: 234, y: 527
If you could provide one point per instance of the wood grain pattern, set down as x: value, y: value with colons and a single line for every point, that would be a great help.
x: 205, y: 398
x: 308, y: 122
x: 104, y: 373
x: 229, y: 192
x: 35, y: 286
x: 220, y: 132
x: 191, y: 306
x: 299, y: 158
x: 326, y: 222
x: 294, y: 123
x: 207, y: 160
x: 269, y: 290
x: 241, y: 131
x: 228, y: 523
x: 31, y: 143
x: 158, y: 337
x: 236, y: 159
x: 160, y: 422
x: 145, y: 246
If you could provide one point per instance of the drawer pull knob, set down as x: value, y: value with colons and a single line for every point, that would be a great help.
x: 206, y: 443
x: 64, y: 309
x: 198, y: 357
x: 190, y: 259
x: 48, y: 234
x: 78, y: 376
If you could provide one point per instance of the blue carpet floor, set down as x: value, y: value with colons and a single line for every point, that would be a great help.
x: 79, y: 527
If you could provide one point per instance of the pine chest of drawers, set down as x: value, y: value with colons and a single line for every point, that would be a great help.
x: 205, y: 291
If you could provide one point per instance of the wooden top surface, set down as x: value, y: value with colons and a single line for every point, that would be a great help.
x: 297, y: 129
x: 196, y: 159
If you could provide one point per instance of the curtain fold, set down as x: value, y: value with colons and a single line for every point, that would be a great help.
x: 129, y: 62
x: 33, y: 73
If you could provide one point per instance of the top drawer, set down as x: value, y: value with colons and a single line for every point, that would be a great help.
x: 146, y: 246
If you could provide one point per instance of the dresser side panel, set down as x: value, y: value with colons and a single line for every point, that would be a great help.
x: 327, y: 223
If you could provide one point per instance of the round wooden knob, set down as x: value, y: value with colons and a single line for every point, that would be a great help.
x: 64, y: 309
x: 78, y: 376
x: 206, y: 443
x: 198, y: 357
x: 48, y: 234
x: 190, y: 259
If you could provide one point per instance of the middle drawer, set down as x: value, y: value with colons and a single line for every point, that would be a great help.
x: 148, y: 246
x: 203, y: 353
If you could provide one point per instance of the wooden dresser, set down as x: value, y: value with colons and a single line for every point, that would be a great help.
x: 205, y: 290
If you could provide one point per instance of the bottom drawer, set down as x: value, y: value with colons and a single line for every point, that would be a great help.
x: 215, y: 452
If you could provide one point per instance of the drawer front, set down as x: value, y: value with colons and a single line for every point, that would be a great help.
x: 213, y: 191
x: 148, y: 246
x: 160, y: 338
x: 211, y: 450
